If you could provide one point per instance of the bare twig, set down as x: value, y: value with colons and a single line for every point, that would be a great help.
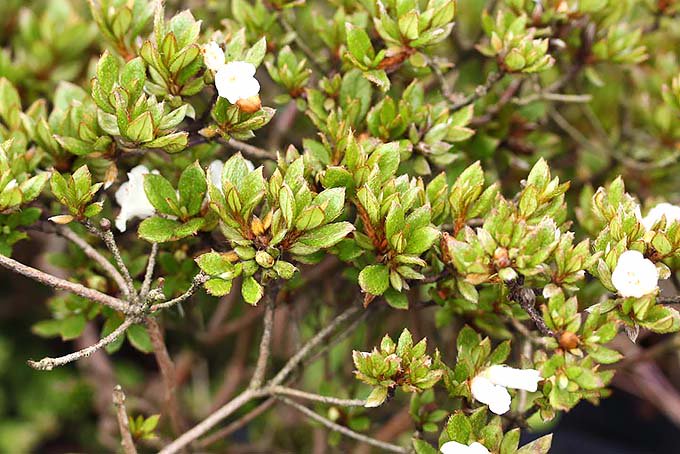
x: 196, y: 283
x: 296, y: 359
x: 251, y: 150
x: 126, y: 442
x: 342, y: 429
x: 51, y: 363
x: 61, y: 284
x: 107, y: 237
x: 285, y: 391
x: 167, y: 369
x: 526, y: 298
x: 211, y: 421
x: 480, y: 91
x: 94, y: 255
x: 238, y: 424
x: 265, y: 342
x: 148, y: 274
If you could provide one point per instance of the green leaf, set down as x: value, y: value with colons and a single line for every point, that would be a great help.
x: 397, y: 300
x: 192, y: 188
x: 358, y: 43
x: 141, y: 128
x: 540, y: 446
x: 161, y: 194
x: 510, y: 442
x: 377, y: 397
x: 327, y: 235
x: 423, y: 447
x: 251, y: 290
x: 218, y: 286
x: 458, y: 428
x: 139, y: 338
x: 374, y: 279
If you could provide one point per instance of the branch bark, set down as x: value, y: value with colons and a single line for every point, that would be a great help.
x: 127, y: 442
x: 61, y: 284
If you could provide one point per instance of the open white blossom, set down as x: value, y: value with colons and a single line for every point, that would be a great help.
x: 236, y: 81
x: 490, y: 386
x: 213, y: 56
x: 453, y: 447
x: 634, y: 275
x: 667, y: 210
x: 132, y: 198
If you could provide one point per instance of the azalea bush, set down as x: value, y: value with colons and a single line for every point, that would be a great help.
x: 415, y: 225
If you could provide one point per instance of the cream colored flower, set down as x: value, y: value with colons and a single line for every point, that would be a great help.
x: 634, y: 275
x: 453, y: 447
x: 235, y: 81
x: 132, y: 198
x: 670, y: 212
x: 490, y: 386
x: 213, y: 56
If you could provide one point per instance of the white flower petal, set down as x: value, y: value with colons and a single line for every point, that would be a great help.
x: 213, y: 56
x: 453, y: 447
x: 132, y: 198
x: 478, y: 448
x: 634, y: 275
x: 509, y: 377
x: 235, y: 81
x: 215, y: 173
x: 667, y: 210
x: 495, y: 396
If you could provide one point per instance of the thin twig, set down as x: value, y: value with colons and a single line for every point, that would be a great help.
x: 265, y: 342
x: 126, y: 442
x: 251, y: 150
x: 148, y: 274
x: 211, y: 421
x: 526, y: 298
x: 342, y: 429
x: 51, y: 363
x: 61, y: 284
x: 97, y: 257
x: 285, y: 391
x: 480, y: 91
x: 313, y: 57
x: 237, y: 425
x: 107, y: 237
x: 196, y: 283
x: 313, y: 342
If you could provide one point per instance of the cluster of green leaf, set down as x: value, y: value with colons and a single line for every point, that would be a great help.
x: 401, y: 365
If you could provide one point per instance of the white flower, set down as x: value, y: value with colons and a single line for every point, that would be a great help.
x: 215, y: 173
x: 213, y: 56
x: 670, y: 212
x: 453, y: 447
x: 490, y: 386
x: 235, y: 81
x: 634, y: 275
x: 132, y: 198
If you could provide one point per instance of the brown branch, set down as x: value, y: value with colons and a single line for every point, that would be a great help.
x: 127, y: 442
x: 285, y: 391
x: 167, y: 369
x: 480, y: 91
x: 148, y: 274
x: 238, y: 424
x: 265, y: 342
x: 342, y: 429
x: 61, y: 284
x: 196, y: 283
x: 526, y: 298
x: 123, y: 421
x: 50, y: 363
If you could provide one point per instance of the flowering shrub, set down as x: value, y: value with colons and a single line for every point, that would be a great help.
x: 346, y: 172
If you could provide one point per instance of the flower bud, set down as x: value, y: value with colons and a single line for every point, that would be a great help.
x: 249, y: 105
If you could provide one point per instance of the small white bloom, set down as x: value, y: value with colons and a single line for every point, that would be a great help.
x: 634, y: 275
x: 236, y: 81
x: 132, y: 198
x: 490, y: 386
x: 215, y: 173
x: 453, y: 447
x: 213, y: 56
x: 670, y: 212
